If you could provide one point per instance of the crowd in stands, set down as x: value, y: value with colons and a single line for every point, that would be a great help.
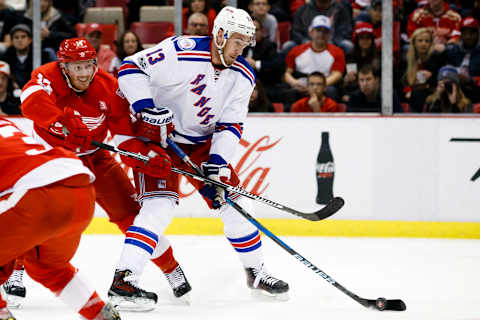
x: 310, y: 55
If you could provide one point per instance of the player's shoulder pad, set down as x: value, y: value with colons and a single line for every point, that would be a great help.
x: 241, y: 65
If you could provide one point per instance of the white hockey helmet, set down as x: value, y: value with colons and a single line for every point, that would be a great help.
x: 231, y: 20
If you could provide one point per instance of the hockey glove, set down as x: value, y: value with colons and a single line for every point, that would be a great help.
x: 218, y: 170
x: 155, y: 125
x: 77, y: 135
x: 158, y: 166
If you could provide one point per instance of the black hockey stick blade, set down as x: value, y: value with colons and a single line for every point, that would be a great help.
x: 330, y: 209
x: 383, y: 304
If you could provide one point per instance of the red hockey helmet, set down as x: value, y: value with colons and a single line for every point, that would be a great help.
x: 76, y: 49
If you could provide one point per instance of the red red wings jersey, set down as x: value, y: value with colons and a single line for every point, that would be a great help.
x: 102, y: 106
x: 423, y: 17
x: 304, y: 59
x: 25, y: 164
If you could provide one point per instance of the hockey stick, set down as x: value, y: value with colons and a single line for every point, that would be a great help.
x: 331, y: 208
x: 378, y: 304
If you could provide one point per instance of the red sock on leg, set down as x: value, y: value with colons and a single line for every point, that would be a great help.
x: 93, y: 306
x: 166, y: 262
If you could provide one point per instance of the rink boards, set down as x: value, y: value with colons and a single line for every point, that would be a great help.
x: 400, y: 176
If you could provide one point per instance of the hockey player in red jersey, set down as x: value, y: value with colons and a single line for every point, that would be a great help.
x: 73, y: 93
x: 47, y: 200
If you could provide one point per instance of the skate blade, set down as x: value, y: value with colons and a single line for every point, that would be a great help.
x: 264, y: 295
x: 132, y: 304
x: 14, y: 302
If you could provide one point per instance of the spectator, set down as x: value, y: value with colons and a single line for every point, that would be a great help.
x: 197, y: 24
x: 438, y: 15
x: 364, y: 52
x: 373, y: 15
x: 423, y: 63
x: 54, y: 26
x: 127, y: 45
x: 448, y: 96
x: 202, y: 6
x: 259, y: 101
x: 316, y: 101
x: 8, y: 18
x: 368, y: 97
x: 465, y: 56
x: 358, y: 6
x: 105, y: 55
x: 317, y: 55
x: 259, y: 11
x: 264, y: 59
x: 9, y: 104
x: 340, y: 13
x: 20, y: 56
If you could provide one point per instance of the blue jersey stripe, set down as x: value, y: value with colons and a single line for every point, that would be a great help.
x: 243, y: 73
x: 194, y: 59
x: 129, y: 71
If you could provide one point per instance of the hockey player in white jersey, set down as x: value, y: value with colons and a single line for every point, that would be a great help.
x: 206, y: 84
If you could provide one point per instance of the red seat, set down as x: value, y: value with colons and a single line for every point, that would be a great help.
x: 476, y: 108
x: 405, y: 107
x: 109, y: 33
x: 278, y: 106
x: 342, y: 107
x: 153, y: 32
x: 283, y: 33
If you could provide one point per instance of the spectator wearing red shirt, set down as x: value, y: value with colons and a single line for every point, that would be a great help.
x: 437, y: 15
x: 316, y: 101
x: 317, y: 55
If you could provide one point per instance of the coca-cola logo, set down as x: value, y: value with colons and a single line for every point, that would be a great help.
x: 252, y: 175
x: 325, y: 170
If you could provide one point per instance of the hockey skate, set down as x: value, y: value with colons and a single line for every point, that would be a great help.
x: 6, y: 315
x: 126, y: 296
x: 261, y: 282
x: 15, y: 289
x: 179, y: 284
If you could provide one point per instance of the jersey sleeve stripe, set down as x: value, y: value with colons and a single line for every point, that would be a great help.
x: 27, y: 92
x: 235, y: 128
x: 122, y: 73
x: 243, y: 73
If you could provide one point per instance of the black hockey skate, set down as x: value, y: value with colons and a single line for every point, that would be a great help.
x: 179, y: 284
x: 15, y: 289
x: 125, y: 295
x: 260, y: 281
x: 6, y: 315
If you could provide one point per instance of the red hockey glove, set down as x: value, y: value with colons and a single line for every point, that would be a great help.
x: 77, y: 135
x: 155, y: 125
x: 158, y: 166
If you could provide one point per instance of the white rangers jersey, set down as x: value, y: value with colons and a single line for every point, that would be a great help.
x: 207, y: 103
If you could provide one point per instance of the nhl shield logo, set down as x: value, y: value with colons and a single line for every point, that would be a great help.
x: 186, y: 43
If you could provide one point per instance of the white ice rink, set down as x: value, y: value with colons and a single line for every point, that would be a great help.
x: 438, y: 279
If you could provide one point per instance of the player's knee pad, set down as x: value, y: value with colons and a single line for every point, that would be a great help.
x: 234, y: 224
x: 156, y: 214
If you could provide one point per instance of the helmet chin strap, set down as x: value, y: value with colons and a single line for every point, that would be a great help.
x: 220, y: 51
x: 69, y: 83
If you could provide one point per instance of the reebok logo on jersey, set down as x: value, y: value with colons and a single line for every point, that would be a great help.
x: 161, y: 184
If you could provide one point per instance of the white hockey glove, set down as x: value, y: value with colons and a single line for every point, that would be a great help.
x: 218, y: 172
x: 155, y: 125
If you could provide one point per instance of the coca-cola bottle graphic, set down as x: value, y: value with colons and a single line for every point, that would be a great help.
x: 325, y: 171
